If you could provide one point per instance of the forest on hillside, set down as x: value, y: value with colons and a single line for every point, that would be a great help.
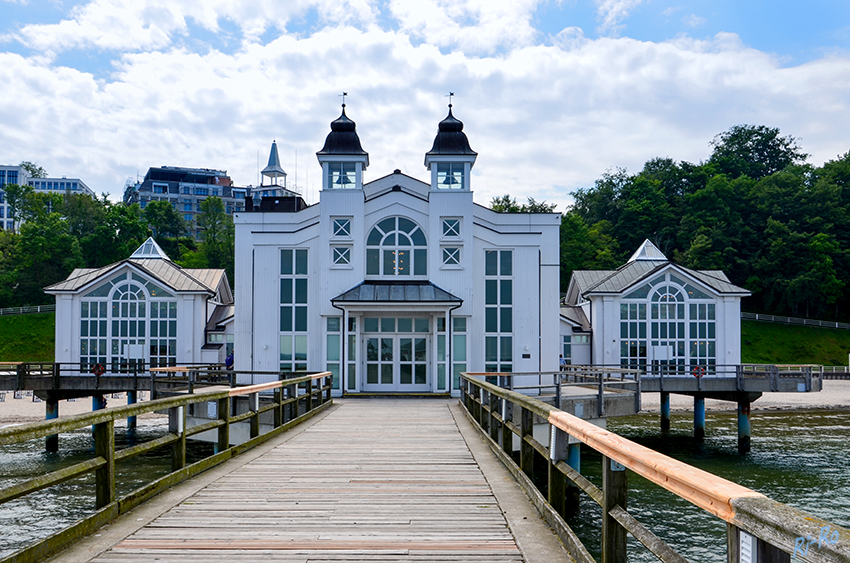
x: 60, y: 232
x: 777, y: 225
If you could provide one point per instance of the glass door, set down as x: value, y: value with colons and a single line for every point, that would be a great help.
x: 413, y: 363
x: 380, y: 364
x: 396, y: 358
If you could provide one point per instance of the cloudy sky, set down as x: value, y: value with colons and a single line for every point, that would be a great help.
x: 552, y: 93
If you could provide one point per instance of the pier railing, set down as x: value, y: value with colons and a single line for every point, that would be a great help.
x: 294, y: 400
x: 758, y: 528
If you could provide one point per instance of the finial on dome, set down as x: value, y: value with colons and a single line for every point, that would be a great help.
x: 451, y: 94
x: 344, y: 94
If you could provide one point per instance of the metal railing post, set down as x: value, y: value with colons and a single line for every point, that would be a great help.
x: 177, y: 425
x: 526, y: 450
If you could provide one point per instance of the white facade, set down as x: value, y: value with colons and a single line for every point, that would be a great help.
x: 144, y: 309
x: 396, y: 285
x: 651, y: 313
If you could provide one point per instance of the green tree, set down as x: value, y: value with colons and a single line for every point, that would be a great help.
x: 16, y: 196
x: 755, y: 151
x: 33, y: 169
x: 216, y: 230
x: 83, y: 213
x: 585, y: 247
x: 164, y: 220
x: 119, y: 233
x: 45, y: 253
x: 508, y: 204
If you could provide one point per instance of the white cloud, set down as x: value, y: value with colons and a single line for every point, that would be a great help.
x: 611, y: 12
x: 545, y: 119
x: 694, y: 21
x: 476, y: 26
x: 131, y: 25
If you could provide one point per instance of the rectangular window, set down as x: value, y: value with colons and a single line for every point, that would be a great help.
x: 498, y: 312
x: 451, y: 227
x: 294, y: 297
x: 458, y: 349
x: 450, y: 175
x: 451, y: 256
x: 342, y: 175
x: 341, y: 255
x: 342, y: 227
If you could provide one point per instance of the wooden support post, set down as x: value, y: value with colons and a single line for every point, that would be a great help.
x: 132, y: 399
x: 665, y: 411
x: 104, y: 480
x: 51, y: 412
x: 254, y: 406
x: 223, y: 411
x: 177, y: 425
x: 557, y: 481
x: 699, y: 418
x: 278, y: 408
x: 98, y: 402
x: 484, y: 418
x: 614, y: 493
x: 744, y: 428
x: 493, y: 423
x: 309, y: 396
x: 292, y: 393
x: 526, y: 450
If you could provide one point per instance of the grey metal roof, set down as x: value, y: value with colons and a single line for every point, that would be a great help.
x: 576, y: 316
x: 274, y: 169
x: 618, y: 281
x: 343, y: 138
x: 220, y: 316
x: 396, y: 291
x: 204, y: 280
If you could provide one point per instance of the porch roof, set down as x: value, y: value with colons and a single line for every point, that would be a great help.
x: 384, y: 291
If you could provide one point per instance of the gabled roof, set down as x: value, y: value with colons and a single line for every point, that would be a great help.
x: 575, y: 316
x: 396, y: 291
x: 594, y: 282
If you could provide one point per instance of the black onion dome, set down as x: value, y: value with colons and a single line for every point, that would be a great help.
x: 343, y: 137
x: 451, y: 139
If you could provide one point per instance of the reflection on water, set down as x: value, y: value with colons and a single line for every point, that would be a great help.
x: 36, y: 516
x: 797, y: 458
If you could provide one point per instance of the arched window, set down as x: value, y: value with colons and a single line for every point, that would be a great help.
x: 396, y: 247
x: 129, y: 316
x: 681, y: 326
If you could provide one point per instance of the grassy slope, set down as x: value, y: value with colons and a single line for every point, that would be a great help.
x: 27, y: 338
x: 773, y: 343
x: 31, y: 337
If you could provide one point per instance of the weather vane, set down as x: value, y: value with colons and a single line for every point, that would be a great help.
x: 344, y: 94
x: 450, y: 98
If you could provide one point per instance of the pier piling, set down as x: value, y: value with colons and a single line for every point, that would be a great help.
x: 665, y: 411
x: 51, y: 408
x: 699, y: 418
x: 743, y: 426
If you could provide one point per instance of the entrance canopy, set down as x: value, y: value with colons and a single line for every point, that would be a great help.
x: 373, y: 295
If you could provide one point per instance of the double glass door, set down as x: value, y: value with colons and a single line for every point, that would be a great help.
x: 396, y: 363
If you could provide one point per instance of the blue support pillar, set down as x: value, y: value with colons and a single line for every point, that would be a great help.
x: 574, y: 456
x: 98, y: 402
x: 51, y: 411
x: 132, y: 398
x: 743, y: 426
x: 699, y: 418
x: 665, y: 411
x: 573, y: 493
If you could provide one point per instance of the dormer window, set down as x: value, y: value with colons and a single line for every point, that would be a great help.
x: 450, y: 175
x: 342, y: 175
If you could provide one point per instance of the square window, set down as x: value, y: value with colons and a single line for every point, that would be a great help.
x: 451, y: 227
x: 342, y: 227
x: 341, y: 255
x: 451, y: 256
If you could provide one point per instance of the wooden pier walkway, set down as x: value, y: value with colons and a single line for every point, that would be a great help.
x: 378, y: 479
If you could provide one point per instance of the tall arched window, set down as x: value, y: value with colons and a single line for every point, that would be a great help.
x: 396, y: 247
x: 681, y: 326
x: 129, y: 316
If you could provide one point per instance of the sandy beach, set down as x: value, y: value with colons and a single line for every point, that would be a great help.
x: 30, y: 409
x: 835, y: 395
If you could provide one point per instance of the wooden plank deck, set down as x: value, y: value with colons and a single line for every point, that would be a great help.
x: 383, y: 479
